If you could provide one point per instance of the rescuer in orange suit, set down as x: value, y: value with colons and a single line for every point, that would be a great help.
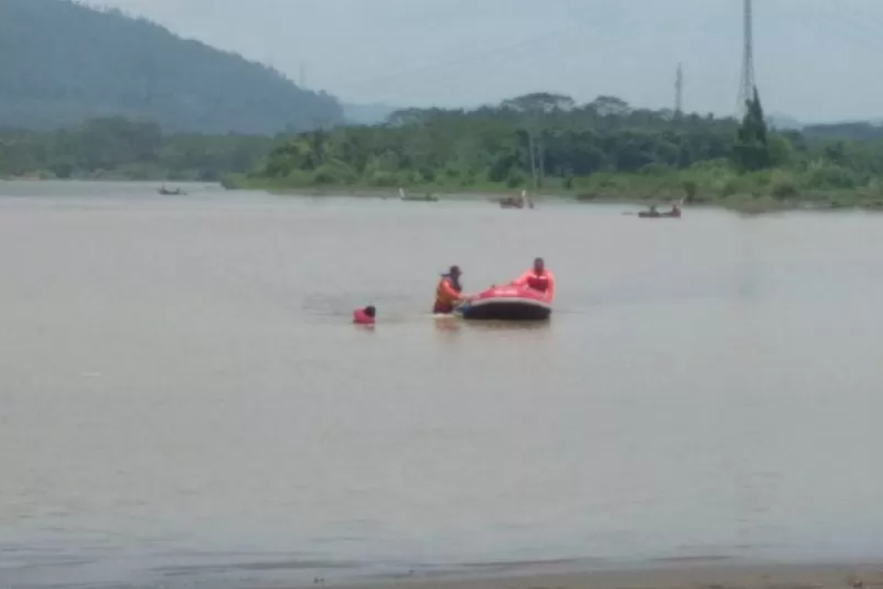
x: 449, y: 292
x: 538, y: 278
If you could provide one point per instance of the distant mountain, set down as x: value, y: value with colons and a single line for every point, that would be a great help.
x: 784, y: 122
x: 61, y: 63
x: 859, y: 130
x: 367, y: 114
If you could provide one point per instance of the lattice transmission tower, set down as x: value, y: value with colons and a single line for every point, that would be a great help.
x: 679, y: 91
x: 746, y: 86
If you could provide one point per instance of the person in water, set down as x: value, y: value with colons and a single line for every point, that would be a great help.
x: 538, y: 278
x: 365, y: 316
x: 449, y: 292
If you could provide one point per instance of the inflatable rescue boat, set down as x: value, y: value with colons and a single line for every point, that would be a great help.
x: 507, y: 303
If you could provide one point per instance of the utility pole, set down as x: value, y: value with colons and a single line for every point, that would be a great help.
x: 533, y: 161
x: 747, y: 84
x: 679, y: 92
x: 542, y: 158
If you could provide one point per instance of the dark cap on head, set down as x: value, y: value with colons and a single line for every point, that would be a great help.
x: 455, y: 270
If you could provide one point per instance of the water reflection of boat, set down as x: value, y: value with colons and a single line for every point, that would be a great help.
x: 507, y: 303
x: 676, y: 214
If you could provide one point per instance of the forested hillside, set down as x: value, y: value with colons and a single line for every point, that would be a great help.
x: 62, y: 63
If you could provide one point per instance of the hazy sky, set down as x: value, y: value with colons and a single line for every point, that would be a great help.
x: 815, y: 59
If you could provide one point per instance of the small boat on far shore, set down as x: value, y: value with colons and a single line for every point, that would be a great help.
x: 674, y: 213
x: 425, y: 198
x: 166, y: 192
x: 512, y: 202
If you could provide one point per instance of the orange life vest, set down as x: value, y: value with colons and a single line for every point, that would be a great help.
x: 538, y: 282
x: 447, y: 292
x: 543, y: 282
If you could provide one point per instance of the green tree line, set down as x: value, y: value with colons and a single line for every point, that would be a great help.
x: 605, y: 148
x: 123, y: 149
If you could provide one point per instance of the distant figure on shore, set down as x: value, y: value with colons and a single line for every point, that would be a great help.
x: 365, y: 316
x: 525, y: 200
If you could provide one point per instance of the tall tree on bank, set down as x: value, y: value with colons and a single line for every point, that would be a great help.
x: 533, y: 107
x: 751, y: 151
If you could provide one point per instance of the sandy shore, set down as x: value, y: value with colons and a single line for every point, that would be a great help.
x: 681, y: 575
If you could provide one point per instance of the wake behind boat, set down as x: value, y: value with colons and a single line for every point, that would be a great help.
x: 507, y: 303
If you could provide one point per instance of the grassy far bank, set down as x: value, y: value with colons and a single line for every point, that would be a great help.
x: 683, y: 574
x: 776, y: 189
x: 601, y: 151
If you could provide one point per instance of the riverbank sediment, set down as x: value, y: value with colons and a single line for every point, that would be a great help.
x: 742, y: 203
x: 683, y: 574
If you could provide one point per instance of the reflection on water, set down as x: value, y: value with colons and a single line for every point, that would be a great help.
x: 183, y: 399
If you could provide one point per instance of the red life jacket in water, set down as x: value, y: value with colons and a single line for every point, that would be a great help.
x: 362, y: 318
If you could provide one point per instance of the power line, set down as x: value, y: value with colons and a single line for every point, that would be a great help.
x: 522, y: 54
x: 474, y: 56
x: 851, y: 28
x: 856, y: 29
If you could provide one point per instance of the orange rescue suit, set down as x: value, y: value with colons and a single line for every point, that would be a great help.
x: 446, y: 294
x: 543, y: 282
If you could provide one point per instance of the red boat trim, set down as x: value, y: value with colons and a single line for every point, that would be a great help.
x: 511, y: 294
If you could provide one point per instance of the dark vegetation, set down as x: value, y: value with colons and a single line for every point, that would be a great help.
x: 122, y: 149
x: 604, y: 149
